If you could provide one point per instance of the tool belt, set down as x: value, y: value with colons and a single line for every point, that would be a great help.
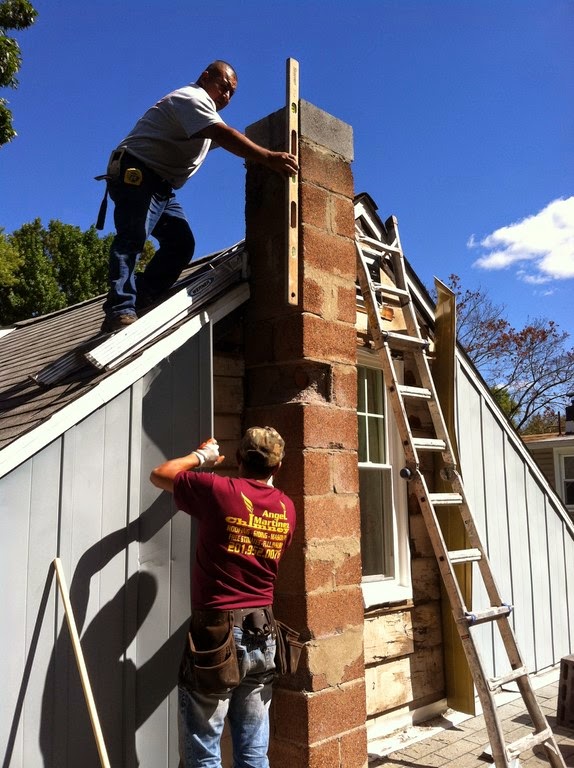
x: 124, y: 168
x: 209, y: 662
x: 287, y: 649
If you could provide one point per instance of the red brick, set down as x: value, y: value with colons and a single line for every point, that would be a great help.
x: 291, y: 579
x: 326, y: 427
x: 350, y: 571
x: 264, y: 200
x: 302, y: 381
x: 332, y: 516
x: 334, y: 255
x: 315, y: 205
x: 345, y: 473
x: 308, y: 425
x: 346, y: 751
x: 313, y: 297
x: 258, y: 341
x: 344, y: 385
x: 347, y: 303
x: 319, y: 574
x: 302, y: 719
x: 354, y: 750
x: 325, y: 169
x: 284, y: 753
x: 330, y: 612
x: 336, y: 710
x: 342, y: 216
x: 316, y: 473
x: 330, y: 573
x: 310, y: 336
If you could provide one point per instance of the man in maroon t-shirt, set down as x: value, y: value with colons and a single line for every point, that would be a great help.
x: 245, y: 525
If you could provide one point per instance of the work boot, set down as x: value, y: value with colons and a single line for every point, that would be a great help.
x: 116, y: 323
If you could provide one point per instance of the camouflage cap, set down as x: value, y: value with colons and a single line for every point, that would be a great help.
x: 262, y: 446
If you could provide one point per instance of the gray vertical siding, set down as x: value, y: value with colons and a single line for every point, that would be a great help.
x: 528, y: 534
x: 125, y: 552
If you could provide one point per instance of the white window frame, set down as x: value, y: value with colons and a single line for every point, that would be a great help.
x: 379, y: 590
x: 559, y: 455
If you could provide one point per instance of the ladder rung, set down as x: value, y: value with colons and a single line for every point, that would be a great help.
x: 527, y: 742
x: 490, y: 614
x: 401, y: 341
x: 392, y: 290
x: 420, y: 392
x: 445, y: 499
x: 429, y: 444
x: 497, y: 682
x: 377, y: 245
x: 464, y: 556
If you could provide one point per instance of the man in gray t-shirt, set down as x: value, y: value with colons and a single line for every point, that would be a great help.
x: 166, y: 146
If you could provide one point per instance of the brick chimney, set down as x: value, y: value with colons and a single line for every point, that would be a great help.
x: 300, y: 377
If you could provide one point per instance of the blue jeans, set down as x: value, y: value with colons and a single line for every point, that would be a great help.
x: 202, y: 715
x: 142, y: 210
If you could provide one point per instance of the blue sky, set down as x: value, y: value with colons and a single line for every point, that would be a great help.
x: 462, y: 112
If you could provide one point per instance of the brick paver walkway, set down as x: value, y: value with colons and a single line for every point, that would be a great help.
x: 462, y: 745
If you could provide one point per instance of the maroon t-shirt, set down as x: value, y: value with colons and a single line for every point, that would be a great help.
x: 244, y: 528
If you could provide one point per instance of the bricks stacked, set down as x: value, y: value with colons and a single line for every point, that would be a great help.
x: 300, y: 377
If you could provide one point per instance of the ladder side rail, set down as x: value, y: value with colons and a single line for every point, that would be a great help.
x: 389, y: 373
x: 458, y: 608
x: 438, y: 544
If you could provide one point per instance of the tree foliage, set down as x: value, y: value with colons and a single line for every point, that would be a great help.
x: 46, y: 269
x: 14, y: 15
x: 530, y: 371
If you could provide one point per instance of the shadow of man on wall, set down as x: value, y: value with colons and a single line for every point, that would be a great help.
x: 125, y: 696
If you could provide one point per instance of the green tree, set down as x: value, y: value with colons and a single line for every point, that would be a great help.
x: 35, y: 290
x: 80, y: 260
x: 530, y: 370
x: 10, y: 262
x: 14, y: 15
x: 43, y: 270
x: 505, y: 401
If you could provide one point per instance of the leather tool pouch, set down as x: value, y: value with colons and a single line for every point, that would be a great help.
x: 258, y: 623
x: 214, y: 668
x: 288, y: 649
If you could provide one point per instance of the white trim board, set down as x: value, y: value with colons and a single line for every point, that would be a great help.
x: 23, y: 447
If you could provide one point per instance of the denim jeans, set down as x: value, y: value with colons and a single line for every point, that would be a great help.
x: 140, y: 211
x: 202, y: 716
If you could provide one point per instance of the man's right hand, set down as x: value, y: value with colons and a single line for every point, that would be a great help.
x: 208, y: 453
x: 283, y: 162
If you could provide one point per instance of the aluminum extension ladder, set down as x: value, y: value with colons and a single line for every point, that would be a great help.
x: 385, y: 260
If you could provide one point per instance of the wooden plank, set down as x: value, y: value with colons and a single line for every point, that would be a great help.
x: 292, y: 123
x: 98, y: 735
x: 388, y: 636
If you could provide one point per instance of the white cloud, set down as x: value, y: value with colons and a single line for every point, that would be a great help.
x: 540, y: 247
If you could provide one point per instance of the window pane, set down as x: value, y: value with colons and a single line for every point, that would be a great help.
x: 361, y: 391
x: 362, y: 439
x: 375, y: 391
x: 569, y: 492
x: 371, y: 416
x: 569, y: 467
x: 377, y: 545
x: 375, y: 427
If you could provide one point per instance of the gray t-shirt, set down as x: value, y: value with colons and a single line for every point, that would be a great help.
x: 163, y: 137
